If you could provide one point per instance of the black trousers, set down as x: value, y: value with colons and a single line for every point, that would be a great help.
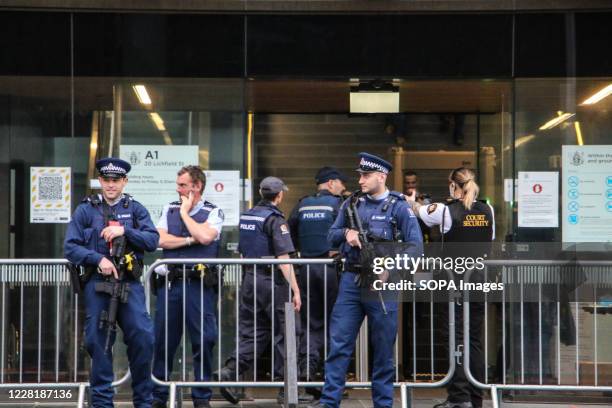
x: 256, y: 317
x: 460, y: 389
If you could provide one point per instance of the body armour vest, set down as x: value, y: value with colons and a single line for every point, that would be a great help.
x: 101, y: 213
x: 177, y: 227
x: 378, y: 220
x: 316, y: 214
x: 253, y: 241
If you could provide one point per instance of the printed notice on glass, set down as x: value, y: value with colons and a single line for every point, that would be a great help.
x: 223, y: 190
x: 50, y: 195
x: 538, y: 199
x: 587, y: 193
x: 152, y: 180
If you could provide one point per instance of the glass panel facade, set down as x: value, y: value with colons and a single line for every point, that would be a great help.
x: 268, y: 95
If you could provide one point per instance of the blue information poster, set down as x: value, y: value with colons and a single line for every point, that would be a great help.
x: 587, y: 194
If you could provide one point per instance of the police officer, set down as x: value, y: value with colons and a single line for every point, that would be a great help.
x: 87, y: 244
x: 189, y: 228
x: 264, y: 233
x: 379, y: 210
x: 310, y: 222
x: 463, y: 219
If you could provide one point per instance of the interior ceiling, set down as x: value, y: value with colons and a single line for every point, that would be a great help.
x: 415, y: 96
x: 293, y: 96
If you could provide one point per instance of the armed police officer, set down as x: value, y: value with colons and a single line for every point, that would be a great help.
x: 384, y: 215
x: 189, y: 228
x: 96, y: 224
x: 264, y: 233
x: 467, y: 226
x: 310, y: 222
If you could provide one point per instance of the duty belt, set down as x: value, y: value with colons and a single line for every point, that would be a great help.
x: 352, y: 267
x: 177, y: 272
x: 267, y: 269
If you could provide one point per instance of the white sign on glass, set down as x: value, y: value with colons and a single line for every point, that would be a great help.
x: 538, y: 199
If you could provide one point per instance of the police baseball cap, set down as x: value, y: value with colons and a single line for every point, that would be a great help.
x: 369, y: 163
x: 329, y: 173
x: 272, y: 185
x: 113, y: 167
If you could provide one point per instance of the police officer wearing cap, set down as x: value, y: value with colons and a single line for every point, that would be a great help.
x: 470, y: 223
x: 264, y: 233
x: 87, y: 244
x: 189, y: 228
x: 310, y: 222
x: 383, y: 213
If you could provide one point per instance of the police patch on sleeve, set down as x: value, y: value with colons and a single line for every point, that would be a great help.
x: 431, y: 208
x: 221, y: 215
x: 284, y: 229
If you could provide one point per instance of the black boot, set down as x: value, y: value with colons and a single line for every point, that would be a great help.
x: 227, y: 373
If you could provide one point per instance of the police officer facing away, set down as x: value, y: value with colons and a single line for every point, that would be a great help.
x: 465, y: 220
x: 379, y: 210
x: 263, y: 234
x: 87, y: 244
x: 310, y: 222
x: 189, y: 228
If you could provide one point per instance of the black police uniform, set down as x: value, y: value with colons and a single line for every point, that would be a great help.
x: 263, y: 234
x: 310, y: 222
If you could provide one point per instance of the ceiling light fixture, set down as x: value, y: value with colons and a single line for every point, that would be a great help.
x: 374, y: 97
x: 557, y: 121
x: 142, y: 94
x: 598, y: 96
x: 158, y: 121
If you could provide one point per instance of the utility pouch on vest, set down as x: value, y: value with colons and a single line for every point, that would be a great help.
x: 132, y: 266
x: 79, y: 277
x: 208, y: 274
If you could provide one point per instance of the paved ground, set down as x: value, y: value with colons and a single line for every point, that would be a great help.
x: 360, y: 399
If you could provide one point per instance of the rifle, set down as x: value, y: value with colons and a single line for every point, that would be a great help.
x: 116, y: 288
x: 367, y: 253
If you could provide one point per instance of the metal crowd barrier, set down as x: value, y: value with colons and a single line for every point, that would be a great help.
x: 33, y: 277
x: 362, y: 356
x: 539, y: 273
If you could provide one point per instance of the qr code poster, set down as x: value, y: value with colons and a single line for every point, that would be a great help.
x: 50, y: 194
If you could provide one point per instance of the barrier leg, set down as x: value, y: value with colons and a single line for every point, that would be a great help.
x: 291, y: 392
x: 82, y: 390
x: 494, y: 396
x: 172, y: 395
x: 406, y: 396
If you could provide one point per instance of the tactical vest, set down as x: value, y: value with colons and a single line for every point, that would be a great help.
x: 316, y: 214
x: 253, y: 240
x: 381, y: 224
x: 101, y: 212
x: 177, y: 227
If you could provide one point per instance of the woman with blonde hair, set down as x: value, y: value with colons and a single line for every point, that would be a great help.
x: 467, y: 226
